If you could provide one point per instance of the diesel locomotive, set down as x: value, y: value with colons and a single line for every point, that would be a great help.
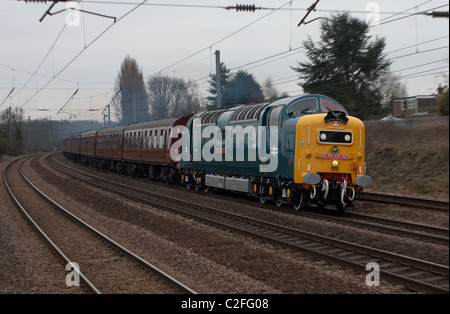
x: 296, y: 150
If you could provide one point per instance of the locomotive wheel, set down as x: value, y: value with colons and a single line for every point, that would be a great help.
x: 298, y: 201
x: 262, y: 200
x: 278, y: 203
x: 341, y: 208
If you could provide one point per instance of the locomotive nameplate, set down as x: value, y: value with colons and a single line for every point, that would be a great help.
x: 334, y: 156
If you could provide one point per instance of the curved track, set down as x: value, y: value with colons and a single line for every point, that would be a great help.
x: 73, y: 240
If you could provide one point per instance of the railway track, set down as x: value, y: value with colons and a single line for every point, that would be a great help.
x: 404, y: 229
x: 422, y: 203
x: 103, y: 263
x: 413, y: 273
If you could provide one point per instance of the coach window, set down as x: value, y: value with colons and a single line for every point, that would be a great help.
x: 150, y: 133
x: 166, y: 140
x: 161, y: 138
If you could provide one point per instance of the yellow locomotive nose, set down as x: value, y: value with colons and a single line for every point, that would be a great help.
x: 329, y: 149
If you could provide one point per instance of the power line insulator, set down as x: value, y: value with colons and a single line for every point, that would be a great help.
x: 245, y: 7
x: 443, y: 14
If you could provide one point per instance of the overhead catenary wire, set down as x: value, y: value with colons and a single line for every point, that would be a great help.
x: 84, y: 49
x: 255, y: 63
x: 219, y: 41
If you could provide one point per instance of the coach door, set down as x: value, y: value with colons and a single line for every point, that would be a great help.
x: 271, y: 141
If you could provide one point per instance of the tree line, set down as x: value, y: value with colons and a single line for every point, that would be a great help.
x: 163, y: 96
x: 347, y: 64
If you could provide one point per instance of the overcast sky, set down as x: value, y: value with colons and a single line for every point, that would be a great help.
x: 46, y: 62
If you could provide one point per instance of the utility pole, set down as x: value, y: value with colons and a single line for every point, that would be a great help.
x: 29, y: 135
x: 11, y: 144
x: 109, y: 115
x: 218, y: 80
x: 134, y: 108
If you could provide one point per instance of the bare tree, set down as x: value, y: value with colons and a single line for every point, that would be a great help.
x: 269, y: 91
x: 11, y: 138
x: 131, y: 103
x: 391, y: 88
x: 171, y: 97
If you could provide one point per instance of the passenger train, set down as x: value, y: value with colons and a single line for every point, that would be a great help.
x: 297, y: 150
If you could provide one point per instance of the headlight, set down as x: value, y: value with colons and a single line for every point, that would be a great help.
x: 335, y: 137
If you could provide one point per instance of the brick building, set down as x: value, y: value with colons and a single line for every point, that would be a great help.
x: 417, y: 105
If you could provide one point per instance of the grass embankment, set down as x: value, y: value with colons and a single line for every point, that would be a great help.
x: 410, y: 160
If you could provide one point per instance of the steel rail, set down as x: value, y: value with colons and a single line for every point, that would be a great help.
x: 436, y: 205
x: 247, y: 225
x: 46, y: 238
x: 108, y: 240
x: 409, y: 230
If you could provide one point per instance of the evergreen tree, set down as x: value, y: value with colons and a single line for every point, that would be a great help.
x: 224, y: 77
x: 242, y: 88
x: 443, y: 104
x: 345, y: 65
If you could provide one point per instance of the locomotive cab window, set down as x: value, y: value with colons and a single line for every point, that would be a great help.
x: 303, y: 106
x: 327, y: 105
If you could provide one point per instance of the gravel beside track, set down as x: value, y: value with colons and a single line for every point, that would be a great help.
x: 104, y: 264
x: 27, y: 264
x: 207, y: 259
